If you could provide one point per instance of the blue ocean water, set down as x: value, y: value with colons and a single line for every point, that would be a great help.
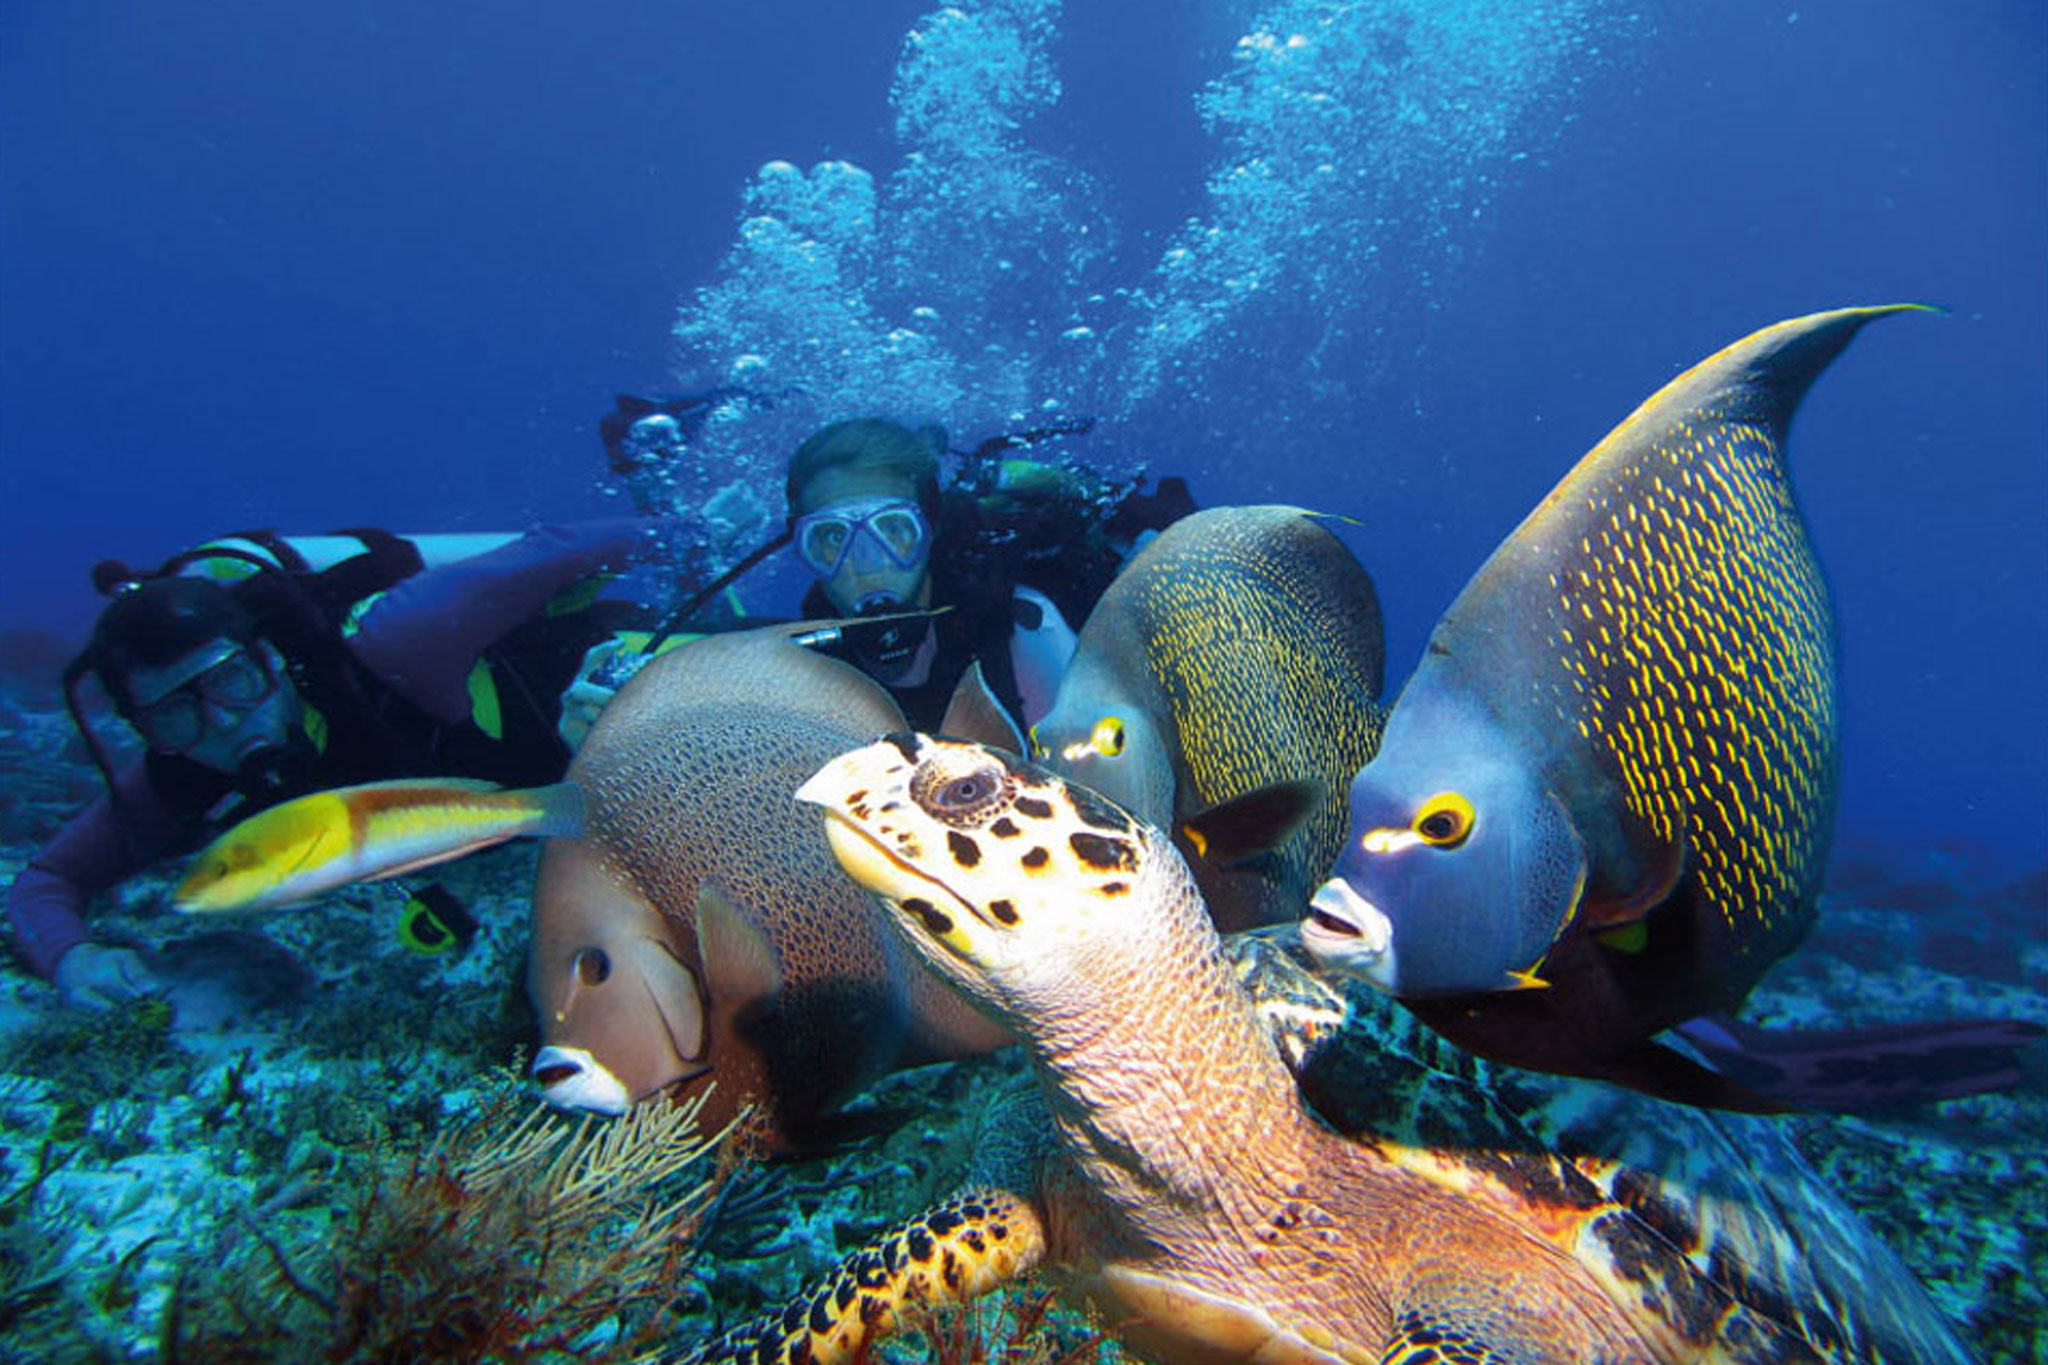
x: 311, y: 266
x: 1404, y: 260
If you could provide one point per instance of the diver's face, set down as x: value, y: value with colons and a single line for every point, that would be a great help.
x: 866, y: 540
x: 217, y: 704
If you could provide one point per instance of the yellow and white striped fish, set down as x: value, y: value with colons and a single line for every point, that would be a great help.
x: 308, y: 846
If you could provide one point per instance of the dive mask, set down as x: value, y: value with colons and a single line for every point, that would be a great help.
x: 174, y: 722
x: 827, y: 538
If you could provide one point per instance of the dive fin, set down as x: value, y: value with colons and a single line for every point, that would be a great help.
x: 975, y: 714
x: 1854, y: 1070
x: 1257, y: 822
x: 1667, y: 1074
x: 1630, y: 938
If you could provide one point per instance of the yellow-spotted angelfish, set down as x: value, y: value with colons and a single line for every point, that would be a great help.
x: 1227, y: 687
x: 1604, y: 800
x: 306, y: 847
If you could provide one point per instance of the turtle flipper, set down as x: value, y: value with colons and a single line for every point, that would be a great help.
x: 1440, y: 1339
x: 1426, y: 1340
x: 964, y: 1248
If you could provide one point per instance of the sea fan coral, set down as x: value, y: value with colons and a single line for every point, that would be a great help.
x: 514, y: 1237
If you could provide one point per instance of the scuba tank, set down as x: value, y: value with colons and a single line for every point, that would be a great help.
x: 295, y: 592
x: 234, y: 557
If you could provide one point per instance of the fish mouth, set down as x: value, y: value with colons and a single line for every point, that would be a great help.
x: 1348, y: 934
x: 570, y: 1078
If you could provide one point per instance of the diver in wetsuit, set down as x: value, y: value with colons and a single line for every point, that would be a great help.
x: 1016, y: 548
x: 288, y: 682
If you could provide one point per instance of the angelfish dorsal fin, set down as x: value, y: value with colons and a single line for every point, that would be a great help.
x: 1763, y: 377
x: 975, y: 714
x: 1256, y: 822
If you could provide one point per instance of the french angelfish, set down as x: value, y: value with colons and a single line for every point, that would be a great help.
x: 303, y: 848
x: 1227, y: 687
x: 1613, y: 774
x: 699, y: 935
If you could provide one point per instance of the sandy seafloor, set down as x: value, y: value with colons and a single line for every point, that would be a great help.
x: 162, y: 1149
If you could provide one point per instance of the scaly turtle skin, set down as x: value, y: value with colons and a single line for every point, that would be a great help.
x: 1173, y: 1180
x: 1728, y: 1190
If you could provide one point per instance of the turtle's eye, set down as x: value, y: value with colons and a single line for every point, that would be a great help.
x: 1108, y: 738
x: 965, y: 793
x: 1444, y: 820
x: 959, y: 790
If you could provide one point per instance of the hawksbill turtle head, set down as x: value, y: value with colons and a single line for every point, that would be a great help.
x: 1010, y: 881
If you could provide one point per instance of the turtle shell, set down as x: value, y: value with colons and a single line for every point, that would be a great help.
x: 1727, y: 1192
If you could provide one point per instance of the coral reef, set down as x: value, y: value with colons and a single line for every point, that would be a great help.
x: 514, y: 1236
x: 334, y: 1157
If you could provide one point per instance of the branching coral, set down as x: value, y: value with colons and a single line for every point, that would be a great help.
x: 1018, y: 1328
x: 515, y: 1237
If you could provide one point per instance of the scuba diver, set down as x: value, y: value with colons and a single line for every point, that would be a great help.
x: 992, y: 568
x: 291, y: 679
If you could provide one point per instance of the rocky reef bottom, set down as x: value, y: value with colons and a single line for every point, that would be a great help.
x: 328, y: 1152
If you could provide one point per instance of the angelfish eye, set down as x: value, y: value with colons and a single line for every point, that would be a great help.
x: 1108, y: 738
x: 1444, y: 820
x: 593, y: 966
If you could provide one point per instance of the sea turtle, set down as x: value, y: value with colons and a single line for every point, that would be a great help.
x: 1172, y: 1178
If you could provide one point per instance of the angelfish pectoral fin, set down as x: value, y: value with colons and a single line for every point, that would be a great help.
x: 1659, y: 870
x: 1256, y: 822
x: 742, y: 970
x: 675, y: 995
x: 974, y: 713
x: 737, y: 956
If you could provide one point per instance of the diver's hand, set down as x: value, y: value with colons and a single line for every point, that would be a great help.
x: 95, y: 976
x: 607, y: 666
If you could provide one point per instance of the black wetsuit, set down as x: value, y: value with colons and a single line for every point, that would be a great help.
x: 403, y: 696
